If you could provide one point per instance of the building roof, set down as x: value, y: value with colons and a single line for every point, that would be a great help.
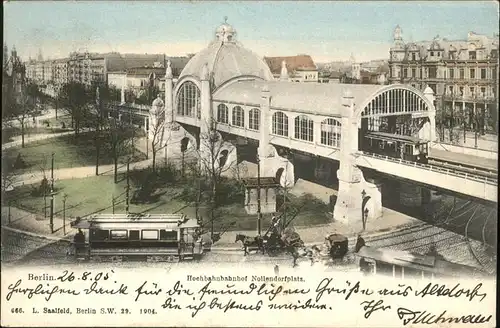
x: 146, y: 71
x: 293, y: 63
x: 226, y: 59
x: 314, y: 98
x: 121, y: 62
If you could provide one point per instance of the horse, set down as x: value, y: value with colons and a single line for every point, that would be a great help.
x: 247, y: 241
x: 297, y: 251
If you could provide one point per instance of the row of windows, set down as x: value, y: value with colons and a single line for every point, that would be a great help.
x: 304, y: 129
x: 473, y: 91
x: 473, y: 73
x: 133, y: 235
x: 238, y: 116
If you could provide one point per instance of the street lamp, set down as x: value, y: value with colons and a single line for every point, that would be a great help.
x: 65, y: 196
x: 51, y: 224
x: 364, y: 211
x: 259, y: 214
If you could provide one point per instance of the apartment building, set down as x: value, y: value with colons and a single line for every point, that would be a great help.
x: 462, y: 73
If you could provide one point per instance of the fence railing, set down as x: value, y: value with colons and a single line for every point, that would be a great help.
x: 434, y: 168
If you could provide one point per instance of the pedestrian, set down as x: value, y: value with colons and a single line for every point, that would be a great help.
x: 360, y: 242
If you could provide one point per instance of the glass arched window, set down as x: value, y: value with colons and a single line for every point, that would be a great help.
x: 254, y: 119
x: 330, y: 132
x: 222, y: 114
x: 188, y: 100
x: 280, y: 124
x: 304, y: 128
x: 238, y: 118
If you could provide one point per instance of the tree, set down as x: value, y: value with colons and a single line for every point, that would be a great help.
x: 119, y: 135
x: 98, y: 122
x: 26, y: 108
x: 213, y: 157
x: 157, y: 132
x: 75, y: 98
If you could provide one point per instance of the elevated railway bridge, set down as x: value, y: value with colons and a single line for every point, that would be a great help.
x: 226, y: 94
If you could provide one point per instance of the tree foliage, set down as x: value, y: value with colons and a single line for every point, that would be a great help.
x: 75, y: 98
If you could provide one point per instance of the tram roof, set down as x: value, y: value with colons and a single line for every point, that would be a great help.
x: 416, y: 261
x: 176, y: 220
x: 308, y: 98
x: 392, y: 137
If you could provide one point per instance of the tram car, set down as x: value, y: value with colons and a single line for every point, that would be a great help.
x: 154, y: 237
x: 403, y: 264
x: 397, y: 146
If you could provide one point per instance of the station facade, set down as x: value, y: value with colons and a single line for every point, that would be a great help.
x: 227, y: 89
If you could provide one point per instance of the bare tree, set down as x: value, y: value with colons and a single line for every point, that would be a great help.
x: 26, y: 108
x: 213, y: 159
x: 157, y: 126
x: 119, y: 134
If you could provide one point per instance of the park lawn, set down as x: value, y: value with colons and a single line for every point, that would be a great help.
x: 92, y: 195
x: 69, y: 152
x: 55, y: 126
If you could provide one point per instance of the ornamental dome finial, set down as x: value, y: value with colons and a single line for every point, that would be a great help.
x: 225, y: 32
x: 168, y: 73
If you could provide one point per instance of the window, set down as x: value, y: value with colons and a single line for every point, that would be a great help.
x: 330, y: 132
x: 472, y: 55
x: 133, y: 235
x: 222, y: 114
x: 413, y: 56
x: 472, y: 91
x: 483, y: 91
x: 99, y: 235
x: 188, y: 100
x: 238, y: 117
x: 432, y: 53
x: 462, y: 73
x: 432, y: 72
x: 168, y: 235
x: 280, y: 124
x: 304, y: 128
x: 451, y: 73
x: 254, y: 119
x: 483, y: 73
x: 461, y: 91
x: 472, y: 73
x: 150, y: 234
x: 405, y: 72
x: 439, y: 53
x: 119, y: 235
x: 450, y: 90
x: 414, y: 72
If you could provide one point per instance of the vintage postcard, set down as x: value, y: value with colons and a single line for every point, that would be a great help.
x: 253, y: 164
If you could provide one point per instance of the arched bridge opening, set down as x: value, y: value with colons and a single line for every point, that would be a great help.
x: 395, y: 123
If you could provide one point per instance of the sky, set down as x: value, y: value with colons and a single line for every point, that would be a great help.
x: 327, y: 31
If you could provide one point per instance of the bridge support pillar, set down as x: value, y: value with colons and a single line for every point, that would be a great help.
x: 359, y: 202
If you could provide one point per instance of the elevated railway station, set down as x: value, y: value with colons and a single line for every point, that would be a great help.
x: 226, y: 95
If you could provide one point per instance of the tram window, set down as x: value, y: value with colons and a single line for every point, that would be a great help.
x: 118, y: 234
x: 398, y: 271
x: 133, y: 235
x: 100, y: 235
x: 412, y: 273
x: 168, y: 235
x: 384, y: 268
x: 150, y: 234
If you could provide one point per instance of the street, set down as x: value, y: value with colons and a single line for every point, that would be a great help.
x: 21, y: 249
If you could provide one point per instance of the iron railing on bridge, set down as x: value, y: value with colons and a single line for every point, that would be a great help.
x: 435, y: 168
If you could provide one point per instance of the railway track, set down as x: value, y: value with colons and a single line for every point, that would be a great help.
x: 465, y: 168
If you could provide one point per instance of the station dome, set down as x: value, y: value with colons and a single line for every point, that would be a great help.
x: 226, y: 59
